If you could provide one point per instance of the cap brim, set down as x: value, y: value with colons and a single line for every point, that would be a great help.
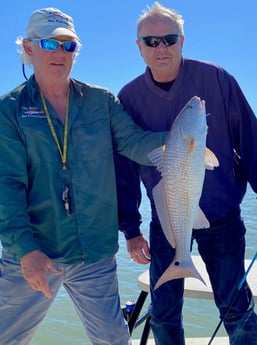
x: 57, y: 32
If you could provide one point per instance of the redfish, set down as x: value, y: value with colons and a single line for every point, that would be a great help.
x: 182, y: 162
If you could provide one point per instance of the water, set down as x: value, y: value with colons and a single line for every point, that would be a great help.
x: 62, y: 326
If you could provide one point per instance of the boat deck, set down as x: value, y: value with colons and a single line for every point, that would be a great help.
x: 195, y: 288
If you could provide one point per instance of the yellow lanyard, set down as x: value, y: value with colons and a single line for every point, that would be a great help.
x: 63, y: 153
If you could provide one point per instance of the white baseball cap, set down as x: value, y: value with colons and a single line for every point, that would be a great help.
x: 50, y: 22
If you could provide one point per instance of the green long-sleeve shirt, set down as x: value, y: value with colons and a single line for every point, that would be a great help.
x: 32, y: 214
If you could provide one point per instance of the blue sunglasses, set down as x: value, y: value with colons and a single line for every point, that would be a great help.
x: 52, y: 45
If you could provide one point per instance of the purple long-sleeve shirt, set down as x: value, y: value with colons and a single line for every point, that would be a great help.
x: 231, y: 125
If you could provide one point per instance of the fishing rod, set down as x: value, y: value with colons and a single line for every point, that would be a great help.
x: 233, y: 298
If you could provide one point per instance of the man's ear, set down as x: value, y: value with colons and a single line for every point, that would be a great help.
x: 139, y: 43
x: 27, y: 46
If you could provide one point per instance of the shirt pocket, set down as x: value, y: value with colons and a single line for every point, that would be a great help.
x: 40, y: 144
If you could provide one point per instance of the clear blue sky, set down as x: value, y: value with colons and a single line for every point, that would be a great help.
x: 224, y: 32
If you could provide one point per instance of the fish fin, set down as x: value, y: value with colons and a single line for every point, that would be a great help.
x: 156, y: 157
x: 178, y: 270
x: 162, y: 211
x: 210, y: 160
x: 200, y: 222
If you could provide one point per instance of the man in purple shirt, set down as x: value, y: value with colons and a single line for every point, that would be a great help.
x: 153, y: 100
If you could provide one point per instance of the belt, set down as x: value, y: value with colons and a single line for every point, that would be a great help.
x: 229, y: 216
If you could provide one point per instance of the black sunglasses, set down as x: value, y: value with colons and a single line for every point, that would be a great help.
x: 154, y: 41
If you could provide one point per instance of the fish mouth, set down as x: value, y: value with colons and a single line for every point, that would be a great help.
x: 202, y: 103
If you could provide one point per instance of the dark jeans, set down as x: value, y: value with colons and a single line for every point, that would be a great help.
x: 222, y: 248
x: 167, y: 300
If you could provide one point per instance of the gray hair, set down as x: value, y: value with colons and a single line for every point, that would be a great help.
x: 25, y: 59
x: 159, y: 11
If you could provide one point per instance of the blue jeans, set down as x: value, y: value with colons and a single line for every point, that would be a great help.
x: 223, y: 249
x: 92, y: 288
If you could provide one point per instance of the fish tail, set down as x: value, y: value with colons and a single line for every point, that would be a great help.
x: 178, y: 270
